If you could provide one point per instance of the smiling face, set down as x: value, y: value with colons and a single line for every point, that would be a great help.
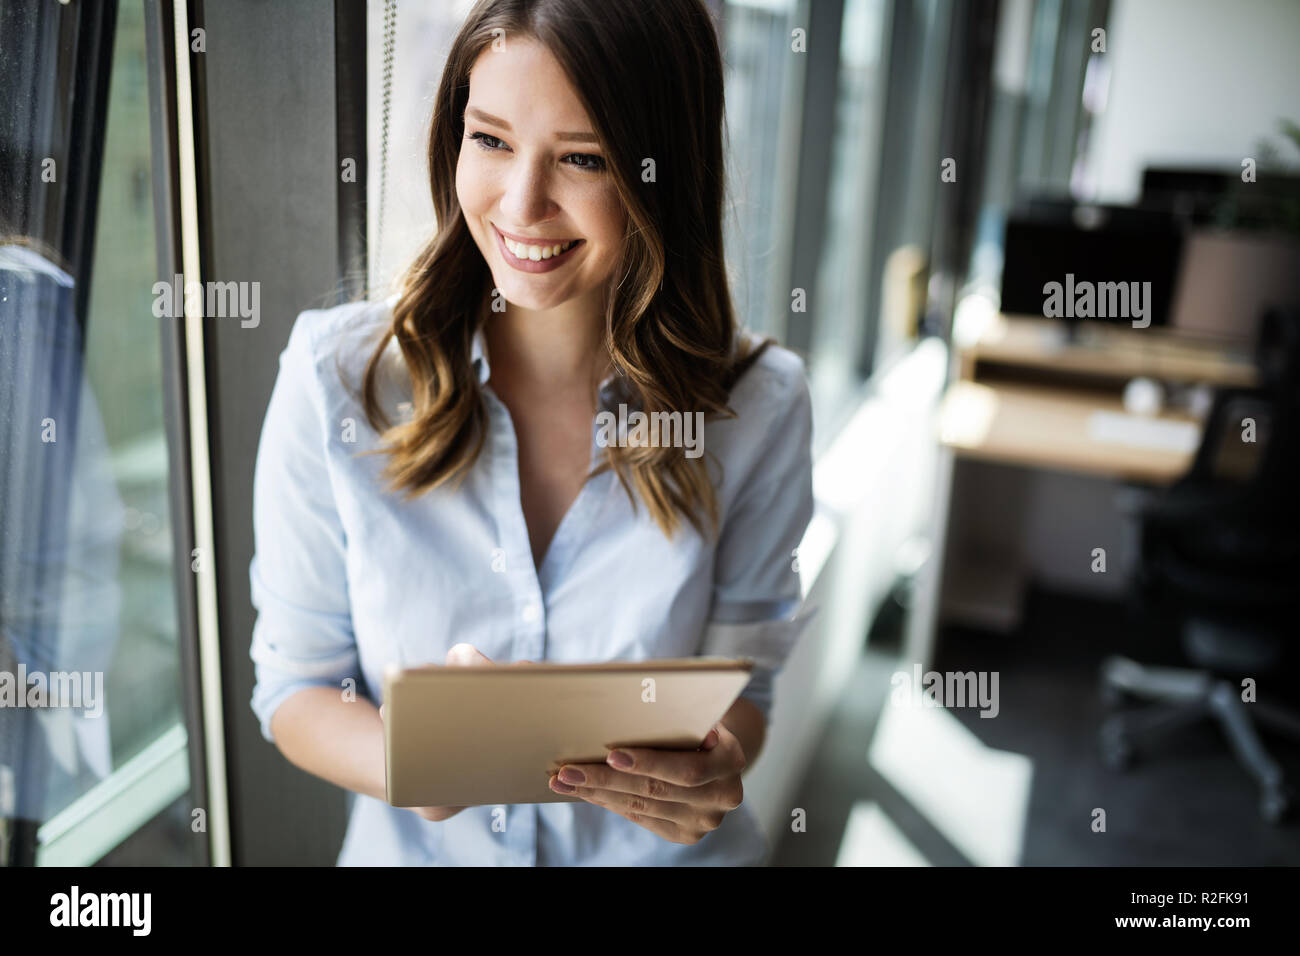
x: 532, y: 182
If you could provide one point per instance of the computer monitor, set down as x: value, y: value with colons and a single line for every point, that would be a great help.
x: 1079, y: 263
x: 1268, y: 201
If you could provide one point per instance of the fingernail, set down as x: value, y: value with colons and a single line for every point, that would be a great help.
x: 573, y: 775
x: 620, y: 760
x: 559, y: 787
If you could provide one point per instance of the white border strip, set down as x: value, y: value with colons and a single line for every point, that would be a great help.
x: 218, y: 811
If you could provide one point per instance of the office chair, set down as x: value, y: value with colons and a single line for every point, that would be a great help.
x: 1221, y: 550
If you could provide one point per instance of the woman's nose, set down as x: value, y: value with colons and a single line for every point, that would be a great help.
x: 527, y: 197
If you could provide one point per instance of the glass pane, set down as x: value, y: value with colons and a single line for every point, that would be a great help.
x: 1022, y: 125
x: 88, y: 622
x: 842, y: 307
x: 757, y: 55
x: 899, y: 267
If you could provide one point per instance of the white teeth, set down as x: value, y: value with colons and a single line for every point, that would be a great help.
x: 536, y: 253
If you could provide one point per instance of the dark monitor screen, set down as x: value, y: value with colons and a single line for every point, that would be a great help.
x: 1269, y: 199
x: 1159, y: 183
x: 1122, y: 268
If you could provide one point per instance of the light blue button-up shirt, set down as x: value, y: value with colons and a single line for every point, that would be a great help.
x: 348, y: 578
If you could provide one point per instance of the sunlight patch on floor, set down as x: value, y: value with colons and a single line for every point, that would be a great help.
x: 977, y: 797
x: 871, y: 839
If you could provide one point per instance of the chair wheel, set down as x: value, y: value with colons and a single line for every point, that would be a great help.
x: 1116, y: 750
x: 1275, y: 805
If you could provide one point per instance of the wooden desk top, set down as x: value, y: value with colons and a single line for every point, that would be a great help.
x: 1110, y: 351
x: 1047, y: 427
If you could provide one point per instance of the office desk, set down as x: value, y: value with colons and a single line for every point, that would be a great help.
x: 1049, y: 428
x: 1023, y: 397
x: 1103, y: 352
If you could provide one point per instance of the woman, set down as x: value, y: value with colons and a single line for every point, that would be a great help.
x: 464, y: 505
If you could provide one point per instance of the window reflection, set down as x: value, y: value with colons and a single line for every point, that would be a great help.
x: 89, y: 661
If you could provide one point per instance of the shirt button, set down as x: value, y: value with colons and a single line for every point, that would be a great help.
x: 531, y: 613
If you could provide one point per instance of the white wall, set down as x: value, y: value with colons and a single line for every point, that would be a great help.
x: 1194, y: 82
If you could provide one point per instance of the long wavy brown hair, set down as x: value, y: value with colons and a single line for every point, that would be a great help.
x: 650, y: 77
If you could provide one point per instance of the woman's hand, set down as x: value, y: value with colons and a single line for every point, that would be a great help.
x: 459, y: 654
x: 680, y: 795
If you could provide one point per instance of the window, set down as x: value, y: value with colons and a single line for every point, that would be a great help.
x: 1039, y: 118
x: 761, y: 111
x: 842, y: 293
x: 88, y: 562
x: 885, y: 173
x: 421, y: 36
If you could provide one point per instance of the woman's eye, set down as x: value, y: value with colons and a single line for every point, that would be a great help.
x: 586, y: 161
x: 489, y: 143
x: 583, y: 161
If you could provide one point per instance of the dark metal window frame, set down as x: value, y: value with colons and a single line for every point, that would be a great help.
x: 968, y: 94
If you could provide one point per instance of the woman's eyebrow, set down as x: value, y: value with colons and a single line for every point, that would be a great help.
x: 483, y: 117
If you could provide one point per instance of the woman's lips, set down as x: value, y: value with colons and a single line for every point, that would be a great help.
x: 535, y: 265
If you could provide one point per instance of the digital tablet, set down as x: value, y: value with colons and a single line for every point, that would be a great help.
x: 460, y: 736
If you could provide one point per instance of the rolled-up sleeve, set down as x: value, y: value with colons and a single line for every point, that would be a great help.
x: 757, y: 599
x: 303, y: 635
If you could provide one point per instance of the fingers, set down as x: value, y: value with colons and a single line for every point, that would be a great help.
x: 579, y: 778
x: 723, y: 758
x: 466, y: 655
x: 668, y: 810
x: 677, y: 822
x: 668, y: 829
x: 723, y: 794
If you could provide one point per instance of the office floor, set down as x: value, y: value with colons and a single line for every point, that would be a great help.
x: 915, y: 786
